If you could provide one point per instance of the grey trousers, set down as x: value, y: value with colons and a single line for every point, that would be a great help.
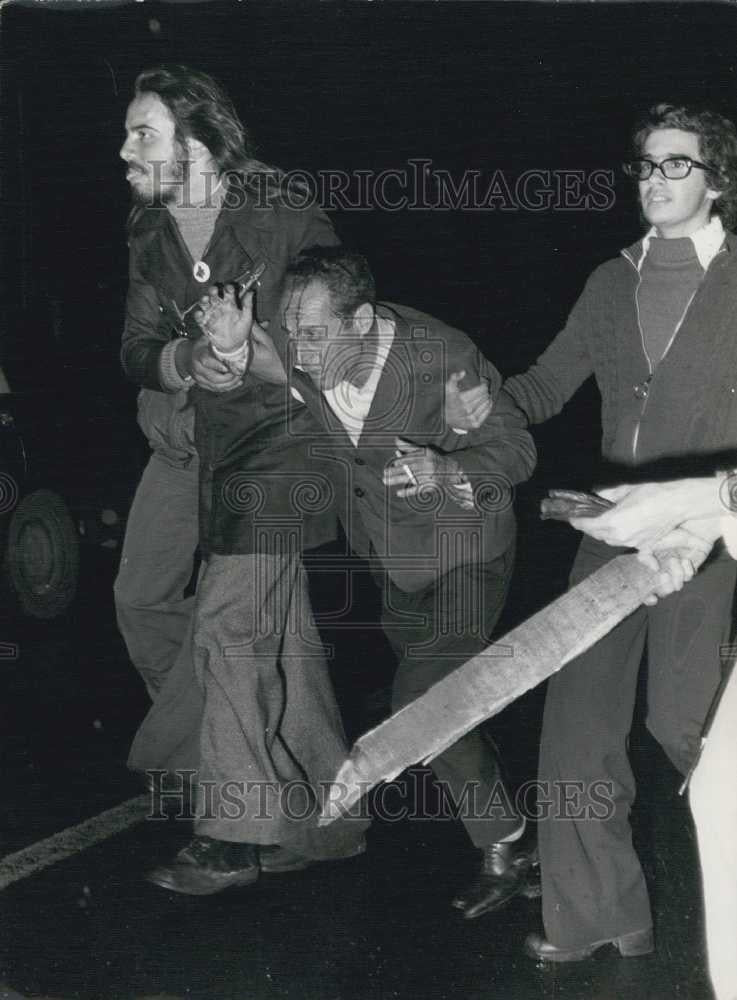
x: 593, y: 885
x: 433, y: 632
x: 156, y: 566
x: 250, y: 708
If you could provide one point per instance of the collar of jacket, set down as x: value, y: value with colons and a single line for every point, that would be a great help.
x: 242, y: 220
x: 634, y: 253
x: 390, y: 312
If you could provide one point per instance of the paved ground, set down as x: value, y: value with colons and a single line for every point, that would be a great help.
x: 372, y: 928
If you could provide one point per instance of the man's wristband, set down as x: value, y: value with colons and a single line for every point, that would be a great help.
x: 237, y: 360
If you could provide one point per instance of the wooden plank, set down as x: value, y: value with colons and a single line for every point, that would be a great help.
x: 493, y: 679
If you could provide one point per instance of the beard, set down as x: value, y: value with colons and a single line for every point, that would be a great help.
x: 162, y: 184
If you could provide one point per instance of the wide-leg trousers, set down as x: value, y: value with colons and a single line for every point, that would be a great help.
x: 156, y: 565
x: 593, y: 885
x: 249, y: 708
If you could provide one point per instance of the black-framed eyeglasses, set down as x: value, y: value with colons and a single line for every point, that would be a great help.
x: 674, y: 168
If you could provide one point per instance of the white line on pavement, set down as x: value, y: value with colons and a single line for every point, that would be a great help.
x: 74, y: 839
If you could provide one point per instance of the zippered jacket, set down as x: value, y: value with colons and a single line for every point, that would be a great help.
x: 690, y: 408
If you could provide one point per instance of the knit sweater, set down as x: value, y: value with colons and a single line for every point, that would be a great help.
x: 196, y: 223
x: 671, y: 273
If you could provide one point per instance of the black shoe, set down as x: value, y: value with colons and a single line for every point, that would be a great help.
x: 275, y: 858
x: 629, y: 946
x: 206, y: 866
x: 504, y: 873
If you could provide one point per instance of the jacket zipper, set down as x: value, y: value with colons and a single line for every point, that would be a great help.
x: 651, y: 371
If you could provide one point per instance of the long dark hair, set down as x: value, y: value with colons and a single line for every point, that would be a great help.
x: 202, y: 110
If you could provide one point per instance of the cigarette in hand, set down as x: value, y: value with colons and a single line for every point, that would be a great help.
x: 406, y: 470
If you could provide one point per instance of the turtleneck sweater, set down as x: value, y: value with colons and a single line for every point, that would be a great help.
x: 670, y: 274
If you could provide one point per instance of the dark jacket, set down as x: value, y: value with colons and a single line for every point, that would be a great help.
x: 161, y: 281
x: 691, y: 407
x: 416, y: 539
x: 243, y: 431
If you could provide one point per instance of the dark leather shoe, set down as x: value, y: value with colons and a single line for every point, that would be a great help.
x: 629, y: 946
x: 206, y: 866
x: 504, y: 873
x: 275, y: 858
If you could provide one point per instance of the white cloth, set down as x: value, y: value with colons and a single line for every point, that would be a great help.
x: 713, y: 798
x: 728, y: 521
x: 350, y: 404
x: 236, y: 360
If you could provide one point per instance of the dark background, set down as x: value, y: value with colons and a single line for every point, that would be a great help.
x: 497, y: 88
x: 336, y: 86
x: 346, y: 87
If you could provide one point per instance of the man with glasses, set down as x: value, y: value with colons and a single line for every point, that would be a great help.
x: 657, y: 327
